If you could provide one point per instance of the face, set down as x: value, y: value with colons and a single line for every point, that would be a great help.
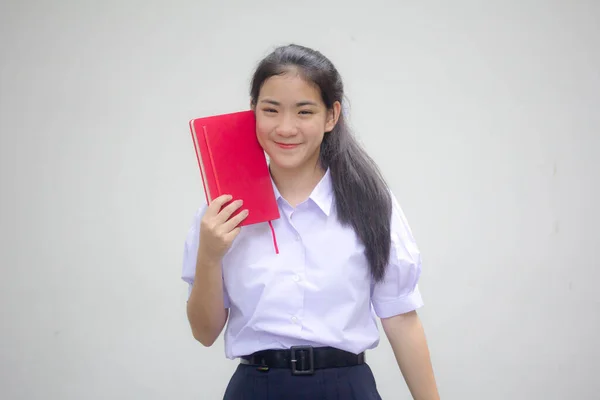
x: 291, y: 121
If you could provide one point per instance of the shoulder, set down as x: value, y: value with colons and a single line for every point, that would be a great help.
x: 398, y: 215
x: 401, y: 232
x: 191, y: 244
x: 192, y: 235
x: 197, y: 217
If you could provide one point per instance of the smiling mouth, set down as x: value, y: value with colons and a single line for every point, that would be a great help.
x: 286, y: 145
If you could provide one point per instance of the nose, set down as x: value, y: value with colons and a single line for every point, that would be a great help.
x: 286, y: 127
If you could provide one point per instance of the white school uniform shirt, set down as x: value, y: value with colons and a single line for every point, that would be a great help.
x: 318, y: 290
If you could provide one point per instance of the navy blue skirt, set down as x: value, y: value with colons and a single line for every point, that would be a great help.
x: 347, y: 383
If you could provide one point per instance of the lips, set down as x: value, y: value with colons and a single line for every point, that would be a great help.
x: 287, y: 146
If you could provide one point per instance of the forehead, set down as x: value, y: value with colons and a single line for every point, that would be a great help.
x: 289, y: 87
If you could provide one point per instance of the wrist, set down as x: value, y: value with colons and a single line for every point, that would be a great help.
x: 206, y: 260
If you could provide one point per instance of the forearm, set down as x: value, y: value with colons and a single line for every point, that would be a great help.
x: 205, y: 309
x: 407, y: 338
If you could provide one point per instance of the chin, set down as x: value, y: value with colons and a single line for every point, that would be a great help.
x: 285, y: 162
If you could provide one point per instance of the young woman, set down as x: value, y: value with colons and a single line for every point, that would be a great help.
x: 300, y: 321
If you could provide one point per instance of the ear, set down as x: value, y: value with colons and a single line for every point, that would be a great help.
x: 333, y: 115
x: 252, y: 105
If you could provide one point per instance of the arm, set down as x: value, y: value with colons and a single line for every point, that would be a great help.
x: 209, y: 239
x: 407, y: 338
x: 205, y: 308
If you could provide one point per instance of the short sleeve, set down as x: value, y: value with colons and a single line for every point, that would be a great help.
x: 190, y: 252
x: 398, y: 292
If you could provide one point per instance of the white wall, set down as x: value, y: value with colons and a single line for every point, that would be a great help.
x: 483, y: 115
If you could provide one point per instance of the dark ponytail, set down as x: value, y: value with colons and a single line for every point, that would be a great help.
x: 362, y: 197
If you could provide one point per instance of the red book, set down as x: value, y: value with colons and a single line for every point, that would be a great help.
x: 232, y: 162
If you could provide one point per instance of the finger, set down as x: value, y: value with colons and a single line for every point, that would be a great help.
x: 215, y: 205
x: 226, y: 212
x: 234, y: 221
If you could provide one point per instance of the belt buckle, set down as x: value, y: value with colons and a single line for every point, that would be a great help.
x: 294, y: 351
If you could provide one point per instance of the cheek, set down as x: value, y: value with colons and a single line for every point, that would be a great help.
x: 314, y: 129
x: 262, y: 132
x: 315, y: 124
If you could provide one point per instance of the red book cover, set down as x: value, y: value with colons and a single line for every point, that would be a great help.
x: 232, y: 162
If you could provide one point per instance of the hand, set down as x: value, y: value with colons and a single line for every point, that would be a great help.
x: 217, y: 230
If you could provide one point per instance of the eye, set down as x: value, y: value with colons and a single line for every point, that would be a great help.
x: 306, y: 112
x: 269, y: 110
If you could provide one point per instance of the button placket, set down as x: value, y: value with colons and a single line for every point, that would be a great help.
x: 296, y: 270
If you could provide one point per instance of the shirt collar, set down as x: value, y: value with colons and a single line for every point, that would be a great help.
x: 322, y: 194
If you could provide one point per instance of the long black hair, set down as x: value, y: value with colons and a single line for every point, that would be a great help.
x: 362, y: 197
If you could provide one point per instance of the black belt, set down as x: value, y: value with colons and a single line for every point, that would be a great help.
x: 303, y: 360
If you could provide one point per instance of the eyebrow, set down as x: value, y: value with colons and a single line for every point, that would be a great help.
x: 299, y: 104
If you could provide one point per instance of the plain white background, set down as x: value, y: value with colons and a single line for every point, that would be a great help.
x: 484, y: 117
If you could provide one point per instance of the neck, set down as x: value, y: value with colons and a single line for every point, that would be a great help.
x: 295, y: 185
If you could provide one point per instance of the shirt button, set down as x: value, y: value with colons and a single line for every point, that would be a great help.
x: 296, y: 278
x: 294, y: 319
